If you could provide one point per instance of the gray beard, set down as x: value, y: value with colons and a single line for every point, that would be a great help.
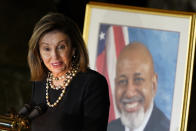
x: 132, y: 120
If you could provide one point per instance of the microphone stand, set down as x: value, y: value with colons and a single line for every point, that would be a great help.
x: 21, y: 121
x: 13, y: 122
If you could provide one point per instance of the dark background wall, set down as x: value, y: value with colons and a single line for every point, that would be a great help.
x: 17, y: 19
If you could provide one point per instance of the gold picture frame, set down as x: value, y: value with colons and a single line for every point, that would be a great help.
x: 175, y: 26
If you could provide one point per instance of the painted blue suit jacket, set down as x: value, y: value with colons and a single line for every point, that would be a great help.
x: 157, y: 122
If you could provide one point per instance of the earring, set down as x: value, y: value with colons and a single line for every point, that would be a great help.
x: 74, y: 59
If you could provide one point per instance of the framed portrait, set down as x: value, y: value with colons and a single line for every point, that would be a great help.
x: 169, y: 36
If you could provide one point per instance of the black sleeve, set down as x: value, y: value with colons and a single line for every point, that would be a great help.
x: 96, y: 104
x: 38, y: 93
x: 32, y: 101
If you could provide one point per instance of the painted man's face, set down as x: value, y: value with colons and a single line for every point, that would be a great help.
x: 135, y: 85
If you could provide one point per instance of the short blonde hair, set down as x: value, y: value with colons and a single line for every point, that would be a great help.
x: 48, y: 23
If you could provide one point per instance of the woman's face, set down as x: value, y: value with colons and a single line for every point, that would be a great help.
x: 55, y: 50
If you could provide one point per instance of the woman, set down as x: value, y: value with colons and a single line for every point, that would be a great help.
x: 76, y: 97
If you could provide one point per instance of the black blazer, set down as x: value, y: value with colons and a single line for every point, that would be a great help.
x: 84, y: 106
x: 157, y: 122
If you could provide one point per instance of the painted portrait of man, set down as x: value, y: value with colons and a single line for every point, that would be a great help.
x: 140, y: 66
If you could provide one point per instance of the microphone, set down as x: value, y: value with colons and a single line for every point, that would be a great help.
x: 23, y: 118
x: 25, y: 110
x: 37, y: 111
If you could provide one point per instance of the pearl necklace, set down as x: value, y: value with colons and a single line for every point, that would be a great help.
x: 68, y: 77
x: 51, y: 78
x: 57, y: 78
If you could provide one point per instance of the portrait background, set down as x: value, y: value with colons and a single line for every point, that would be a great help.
x: 163, y: 46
